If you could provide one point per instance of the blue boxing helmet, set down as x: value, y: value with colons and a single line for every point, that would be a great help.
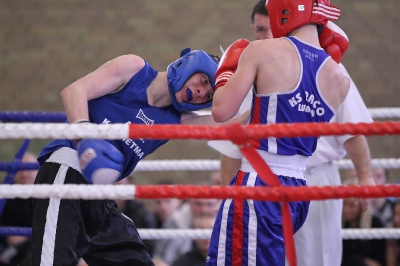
x: 179, y: 71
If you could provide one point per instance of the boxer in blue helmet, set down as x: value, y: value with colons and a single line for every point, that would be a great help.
x: 128, y: 90
x: 179, y: 71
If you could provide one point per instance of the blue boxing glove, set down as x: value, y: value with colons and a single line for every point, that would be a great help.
x: 100, y: 161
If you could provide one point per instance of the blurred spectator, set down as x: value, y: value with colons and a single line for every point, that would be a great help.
x: 382, y: 207
x: 138, y: 213
x: 393, y: 245
x: 361, y: 252
x: 18, y: 213
x: 164, y: 208
x: 215, y: 178
x: 198, y: 254
x: 167, y: 250
x: 351, y: 174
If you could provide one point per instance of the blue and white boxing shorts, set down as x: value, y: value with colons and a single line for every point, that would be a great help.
x: 250, y: 232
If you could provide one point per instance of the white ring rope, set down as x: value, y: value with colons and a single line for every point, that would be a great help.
x: 121, y: 131
x: 384, y: 113
x: 174, y: 233
x: 372, y: 233
x: 102, y: 131
x: 214, y: 165
x: 68, y: 191
x: 109, y: 131
x: 375, y: 163
x: 178, y: 165
x: 63, y: 131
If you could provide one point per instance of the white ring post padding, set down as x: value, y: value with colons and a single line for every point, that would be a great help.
x: 375, y: 233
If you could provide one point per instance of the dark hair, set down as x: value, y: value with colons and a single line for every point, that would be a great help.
x: 259, y: 8
x: 216, y: 57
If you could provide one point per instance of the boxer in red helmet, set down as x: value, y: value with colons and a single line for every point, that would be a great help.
x: 295, y: 81
x: 287, y: 15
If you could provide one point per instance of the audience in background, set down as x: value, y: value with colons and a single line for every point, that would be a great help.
x: 382, y: 207
x: 138, y: 213
x: 167, y: 250
x: 198, y: 254
x: 215, y: 178
x: 361, y: 252
x: 393, y: 245
x: 18, y: 213
x: 164, y: 208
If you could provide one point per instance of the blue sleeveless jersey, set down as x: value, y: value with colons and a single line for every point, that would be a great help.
x: 129, y: 105
x: 303, y: 104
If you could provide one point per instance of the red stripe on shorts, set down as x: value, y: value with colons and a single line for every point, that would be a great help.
x: 237, y: 234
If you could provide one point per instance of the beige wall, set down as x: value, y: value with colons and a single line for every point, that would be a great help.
x: 47, y: 44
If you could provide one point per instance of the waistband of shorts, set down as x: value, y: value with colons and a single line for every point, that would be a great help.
x: 66, y: 156
x: 283, y: 165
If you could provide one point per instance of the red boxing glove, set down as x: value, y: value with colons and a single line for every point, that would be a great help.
x: 334, y: 41
x: 229, y: 61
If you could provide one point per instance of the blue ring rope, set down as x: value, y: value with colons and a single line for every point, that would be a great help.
x: 26, y: 116
x: 18, y: 166
x: 9, y: 179
x: 15, y: 231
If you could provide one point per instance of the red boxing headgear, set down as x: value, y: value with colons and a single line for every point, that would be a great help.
x: 287, y: 15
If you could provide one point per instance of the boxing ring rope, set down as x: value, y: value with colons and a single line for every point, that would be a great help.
x: 25, y: 116
x: 134, y: 131
x: 40, y: 116
x: 374, y: 233
x: 213, y: 165
x: 176, y: 165
x: 278, y: 193
x: 93, y: 192
x: 199, y: 165
x: 240, y: 135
